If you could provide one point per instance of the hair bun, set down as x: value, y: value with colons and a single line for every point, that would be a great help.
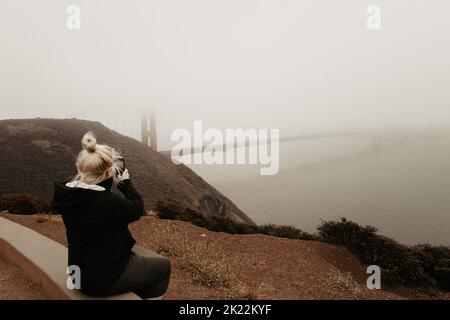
x: 89, y: 142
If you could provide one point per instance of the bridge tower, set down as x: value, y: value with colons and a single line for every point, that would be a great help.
x: 148, y: 130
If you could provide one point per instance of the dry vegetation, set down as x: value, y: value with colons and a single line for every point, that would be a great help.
x: 206, y: 261
x: 23, y: 204
x: 217, y: 265
x: 211, y: 264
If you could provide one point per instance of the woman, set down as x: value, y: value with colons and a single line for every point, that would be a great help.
x: 96, y: 221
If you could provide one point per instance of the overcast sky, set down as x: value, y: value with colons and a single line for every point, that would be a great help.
x: 300, y: 66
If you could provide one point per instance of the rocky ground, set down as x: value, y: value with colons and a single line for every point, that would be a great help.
x: 212, y: 265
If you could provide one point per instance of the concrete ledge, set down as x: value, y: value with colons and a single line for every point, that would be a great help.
x: 43, y: 260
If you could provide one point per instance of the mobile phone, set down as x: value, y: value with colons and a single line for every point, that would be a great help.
x: 120, y: 166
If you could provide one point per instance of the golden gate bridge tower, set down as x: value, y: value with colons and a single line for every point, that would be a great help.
x: 148, y: 130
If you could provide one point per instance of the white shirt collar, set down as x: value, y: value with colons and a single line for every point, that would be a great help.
x: 82, y: 185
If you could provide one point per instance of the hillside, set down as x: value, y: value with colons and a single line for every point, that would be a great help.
x: 34, y: 153
x: 216, y: 265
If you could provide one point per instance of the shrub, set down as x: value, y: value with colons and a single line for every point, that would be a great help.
x: 421, y: 265
x: 172, y: 211
x: 285, y: 232
x: 436, y: 263
x: 23, y: 204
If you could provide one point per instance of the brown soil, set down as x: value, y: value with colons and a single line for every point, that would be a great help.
x: 251, y: 266
x: 16, y: 286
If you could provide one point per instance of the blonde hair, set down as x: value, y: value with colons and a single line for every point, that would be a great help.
x: 95, y: 160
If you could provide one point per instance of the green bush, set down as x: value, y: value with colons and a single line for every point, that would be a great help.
x: 436, y: 263
x: 421, y: 265
x: 285, y: 232
x: 23, y: 204
x: 171, y: 210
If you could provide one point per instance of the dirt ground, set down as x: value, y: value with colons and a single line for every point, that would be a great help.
x: 251, y: 266
x: 16, y: 286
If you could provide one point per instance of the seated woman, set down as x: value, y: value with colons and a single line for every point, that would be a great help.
x: 96, y: 221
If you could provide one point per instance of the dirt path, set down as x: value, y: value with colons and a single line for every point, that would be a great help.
x: 211, y: 265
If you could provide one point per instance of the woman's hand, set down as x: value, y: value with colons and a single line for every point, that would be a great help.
x: 124, y: 176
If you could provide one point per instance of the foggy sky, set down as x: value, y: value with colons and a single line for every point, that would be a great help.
x: 300, y: 66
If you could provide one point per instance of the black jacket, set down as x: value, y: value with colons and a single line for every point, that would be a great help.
x: 97, y: 230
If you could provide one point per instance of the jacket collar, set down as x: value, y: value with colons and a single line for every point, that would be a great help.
x: 107, y: 184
